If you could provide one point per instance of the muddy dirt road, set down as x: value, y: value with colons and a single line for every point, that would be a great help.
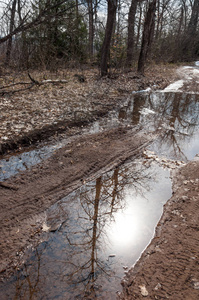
x: 31, y: 193
x: 160, y: 128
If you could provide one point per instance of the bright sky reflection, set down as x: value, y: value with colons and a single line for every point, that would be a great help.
x: 134, y: 226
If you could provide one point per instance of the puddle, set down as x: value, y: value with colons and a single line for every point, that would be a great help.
x: 96, y: 233
x: 173, y: 116
x: 100, y: 230
x: 16, y: 163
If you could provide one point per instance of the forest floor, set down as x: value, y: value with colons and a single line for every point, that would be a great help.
x: 169, y: 266
x: 61, y: 100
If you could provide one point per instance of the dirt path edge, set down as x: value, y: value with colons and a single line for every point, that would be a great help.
x: 169, y: 267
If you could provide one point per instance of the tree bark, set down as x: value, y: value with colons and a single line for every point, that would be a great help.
x: 91, y: 26
x: 139, y: 25
x: 147, y: 36
x: 194, y: 18
x: 12, y: 20
x: 131, y: 31
x: 112, y: 7
x: 189, y: 47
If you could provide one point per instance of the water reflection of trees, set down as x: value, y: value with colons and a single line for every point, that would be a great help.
x: 27, y: 284
x: 99, y: 202
x: 175, y: 118
x: 178, y: 113
x: 132, y: 110
x: 77, y: 256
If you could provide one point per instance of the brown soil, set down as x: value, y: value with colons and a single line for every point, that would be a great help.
x: 25, y: 198
x: 46, y: 110
x: 169, y: 266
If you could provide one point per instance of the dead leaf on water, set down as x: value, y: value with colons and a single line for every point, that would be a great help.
x: 45, y: 228
x: 143, y: 290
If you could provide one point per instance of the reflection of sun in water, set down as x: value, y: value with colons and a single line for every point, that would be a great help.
x: 126, y: 228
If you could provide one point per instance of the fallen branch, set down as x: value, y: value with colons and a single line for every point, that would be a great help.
x: 53, y: 81
x: 13, y: 84
x: 33, y: 80
x: 31, y: 83
x: 45, y: 81
x: 16, y: 91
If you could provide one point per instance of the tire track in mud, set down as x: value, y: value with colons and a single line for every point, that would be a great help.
x: 37, y: 189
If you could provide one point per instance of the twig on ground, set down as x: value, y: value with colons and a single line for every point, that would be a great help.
x: 32, y: 83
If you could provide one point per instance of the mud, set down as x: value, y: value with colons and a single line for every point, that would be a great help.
x: 48, y: 131
x: 168, y: 268
x: 25, y: 197
x: 33, y: 116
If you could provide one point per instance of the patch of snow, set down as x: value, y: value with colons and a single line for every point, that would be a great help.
x: 187, y: 67
x: 146, y: 111
x: 196, y: 71
x: 197, y: 63
x: 142, y: 91
x: 174, y: 86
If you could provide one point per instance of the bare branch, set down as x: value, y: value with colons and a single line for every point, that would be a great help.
x: 31, y: 83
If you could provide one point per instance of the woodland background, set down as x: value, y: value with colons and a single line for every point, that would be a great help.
x: 50, y: 34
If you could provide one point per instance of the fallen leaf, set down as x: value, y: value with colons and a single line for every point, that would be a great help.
x: 143, y: 290
x: 45, y: 228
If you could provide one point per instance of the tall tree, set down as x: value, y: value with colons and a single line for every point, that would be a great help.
x: 131, y: 31
x: 90, y: 26
x: 147, y: 36
x: 30, y: 20
x: 190, y: 40
x: 12, y: 21
x: 112, y: 8
x: 139, y: 24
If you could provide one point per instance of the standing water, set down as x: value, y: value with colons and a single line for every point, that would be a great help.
x: 100, y: 230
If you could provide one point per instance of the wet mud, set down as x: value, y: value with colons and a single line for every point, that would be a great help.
x: 158, y: 128
x: 94, y: 234
x: 30, y: 194
x: 48, y: 131
x: 168, y: 268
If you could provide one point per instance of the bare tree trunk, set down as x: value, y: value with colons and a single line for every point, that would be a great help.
x: 189, y: 47
x: 139, y: 26
x: 91, y: 26
x: 12, y: 20
x: 158, y: 20
x: 112, y: 7
x: 185, y: 13
x: 131, y: 31
x: 181, y: 21
x: 194, y: 18
x: 95, y: 221
x: 147, y: 37
x: 77, y: 9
